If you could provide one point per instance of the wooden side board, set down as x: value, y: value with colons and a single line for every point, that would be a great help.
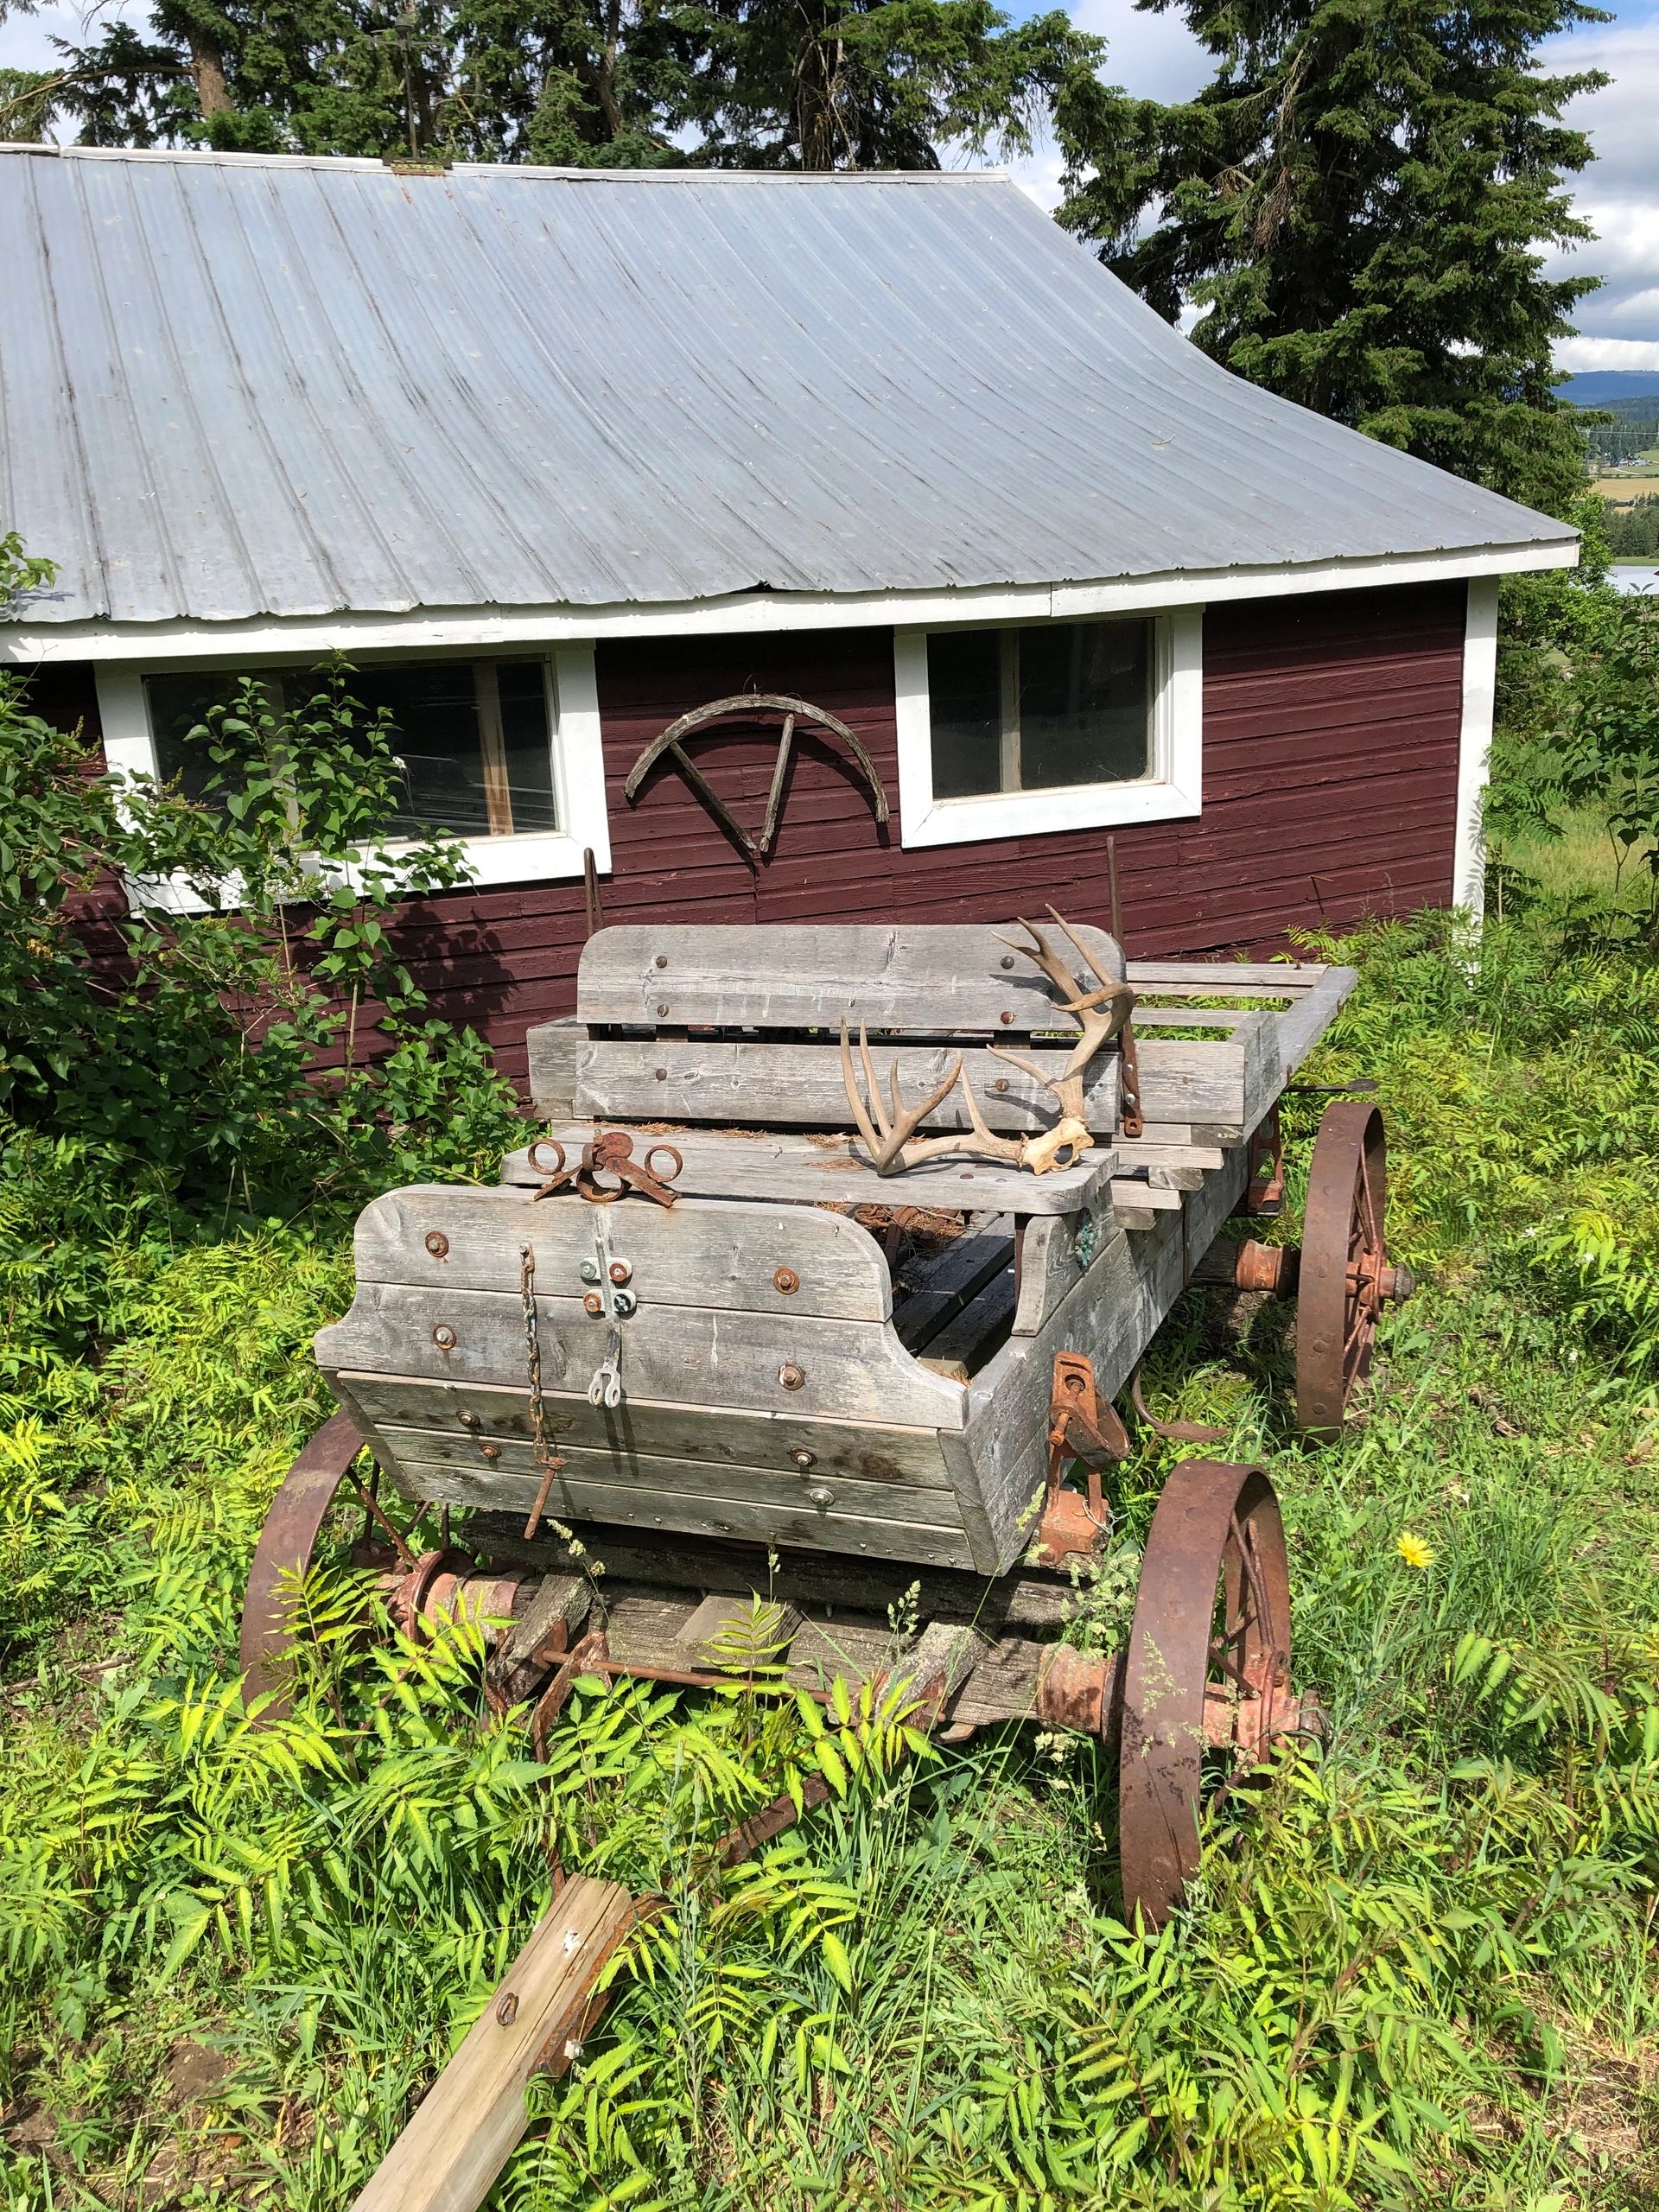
x: 733, y: 1255
x: 766, y: 1362
x: 1111, y: 1313
x: 915, y: 976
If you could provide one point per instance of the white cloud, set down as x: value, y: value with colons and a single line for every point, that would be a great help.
x: 1580, y: 353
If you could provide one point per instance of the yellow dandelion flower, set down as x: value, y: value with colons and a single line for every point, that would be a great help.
x: 1414, y: 1550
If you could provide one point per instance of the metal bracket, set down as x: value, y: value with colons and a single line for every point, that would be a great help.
x: 1264, y: 1174
x: 1080, y: 1427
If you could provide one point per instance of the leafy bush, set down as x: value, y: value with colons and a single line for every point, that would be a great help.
x: 180, y: 1030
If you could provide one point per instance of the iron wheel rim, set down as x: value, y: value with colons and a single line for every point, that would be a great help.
x: 1344, y: 1265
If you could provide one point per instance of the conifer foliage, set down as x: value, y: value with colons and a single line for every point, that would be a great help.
x: 1358, y: 203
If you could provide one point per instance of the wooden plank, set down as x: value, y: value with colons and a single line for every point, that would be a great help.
x: 862, y: 1451
x: 923, y: 975
x: 1048, y: 1264
x: 450, y: 1469
x: 466, y: 2125
x: 555, y: 1048
x: 939, y: 1292
x: 1301, y: 1026
x: 1151, y: 1153
x: 827, y: 1171
x: 1241, y: 976
x: 753, y: 1083
x: 697, y: 1253
x: 1194, y: 1017
x: 766, y: 1363
x: 960, y: 1348
x: 1229, y: 1081
x: 1146, y: 1195
x: 1030, y: 1598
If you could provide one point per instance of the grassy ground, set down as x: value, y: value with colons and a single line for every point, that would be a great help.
x: 1419, y: 1969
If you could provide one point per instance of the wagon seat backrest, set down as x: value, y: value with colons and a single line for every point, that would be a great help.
x: 738, y: 1026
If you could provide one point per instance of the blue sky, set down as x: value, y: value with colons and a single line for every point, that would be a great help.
x: 1155, y: 55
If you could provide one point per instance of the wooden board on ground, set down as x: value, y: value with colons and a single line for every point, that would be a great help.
x: 469, y: 2121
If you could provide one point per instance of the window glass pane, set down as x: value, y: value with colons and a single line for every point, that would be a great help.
x: 434, y: 707
x: 1085, y: 699
x: 523, y: 689
x: 964, y: 690
x: 177, y: 705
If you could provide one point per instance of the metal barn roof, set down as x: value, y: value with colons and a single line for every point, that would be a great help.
x: 239, y: 386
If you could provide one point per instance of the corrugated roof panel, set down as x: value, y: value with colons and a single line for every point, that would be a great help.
x: 245, y: 386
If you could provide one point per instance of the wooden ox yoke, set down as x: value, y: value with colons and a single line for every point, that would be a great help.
x: 809, y: 1355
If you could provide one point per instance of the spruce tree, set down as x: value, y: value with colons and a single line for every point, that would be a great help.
x: 1356, y: 205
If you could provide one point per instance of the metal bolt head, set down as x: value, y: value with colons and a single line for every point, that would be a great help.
x: 820, y: 1495
x: 437, y: 1243
x: 506, y: 2008
x: 661, y: 1074
x: 590, y: 1271
x: 791, y: 1376
x: 786, y: 1280
x: 662, y: 1008
x: 805, y: 1459
x: 470, y: 1420
x: 662, y: 960
x: 490, y: 1452
x: 620, y: 1271
x: 1006, y: 960
x: 1005, y: 1017
x: 593, y: 1303
x: 1001, y: 1082
x: 622, y: 1302
x: 444, y: 1337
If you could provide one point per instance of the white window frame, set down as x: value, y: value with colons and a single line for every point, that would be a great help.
x: 535, y: 857
x: 1173, y: 786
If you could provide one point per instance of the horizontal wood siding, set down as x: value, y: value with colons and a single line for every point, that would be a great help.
x: 1331, y: 729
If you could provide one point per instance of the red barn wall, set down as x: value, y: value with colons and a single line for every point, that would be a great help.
x: 1331, y: 731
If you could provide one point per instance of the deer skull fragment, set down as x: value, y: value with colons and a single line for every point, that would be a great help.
x: 889, y: 1133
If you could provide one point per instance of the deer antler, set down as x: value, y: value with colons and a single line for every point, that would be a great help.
x: 891, y: 1139
x: 1099, y: 1014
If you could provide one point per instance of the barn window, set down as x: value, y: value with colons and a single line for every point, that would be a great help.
x: 1048, y: 727
x: 503, y: 753
x: 472, y: 738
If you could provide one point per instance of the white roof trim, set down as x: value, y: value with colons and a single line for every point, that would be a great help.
x: 750, y: 613
x: 199, y: 156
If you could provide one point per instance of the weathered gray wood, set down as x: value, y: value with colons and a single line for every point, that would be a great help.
x: 691, y: 1355
x: 733, y: 1436
x: 1229, y: 1080
x: 695, y: 1253
x: 466, y: 2126
x: 960, y: 1348
x: 1136, y: 1218
x: 555, y: 1048
x: 716, y: 1617
x: 1148, y: 1197
x: 1273, y: 976
x: 451, y: 1468
x: 755, y: 1084
x: 1194, y: 1017
x: 942, y: 1659
x: 1033, y: 1599
x: 787, y: 1521
x: 1111, y: 1315
x: 827, y: 1171
x: 1300, y: 1027
x: 939, y: 1291
x: 1003, y: 1685
x: 1153, y: 1153
x: 919, y: 975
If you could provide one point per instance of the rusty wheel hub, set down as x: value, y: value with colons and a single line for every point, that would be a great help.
x: 1206, y: 1685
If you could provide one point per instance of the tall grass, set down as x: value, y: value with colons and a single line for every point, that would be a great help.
x: 1419, y: 1967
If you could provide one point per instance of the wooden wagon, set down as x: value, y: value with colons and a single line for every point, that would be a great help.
x: 770, y: 1311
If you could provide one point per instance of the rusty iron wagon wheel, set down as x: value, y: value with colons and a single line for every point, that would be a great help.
x: 1206, y: 1685
x: 1345, y: 1275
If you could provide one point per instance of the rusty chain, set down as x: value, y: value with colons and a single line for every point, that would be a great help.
x: 548, y: 1462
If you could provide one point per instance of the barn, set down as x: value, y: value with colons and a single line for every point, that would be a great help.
x: 559, y: 458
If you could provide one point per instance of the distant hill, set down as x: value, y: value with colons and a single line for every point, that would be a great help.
x: 1601, y: 387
